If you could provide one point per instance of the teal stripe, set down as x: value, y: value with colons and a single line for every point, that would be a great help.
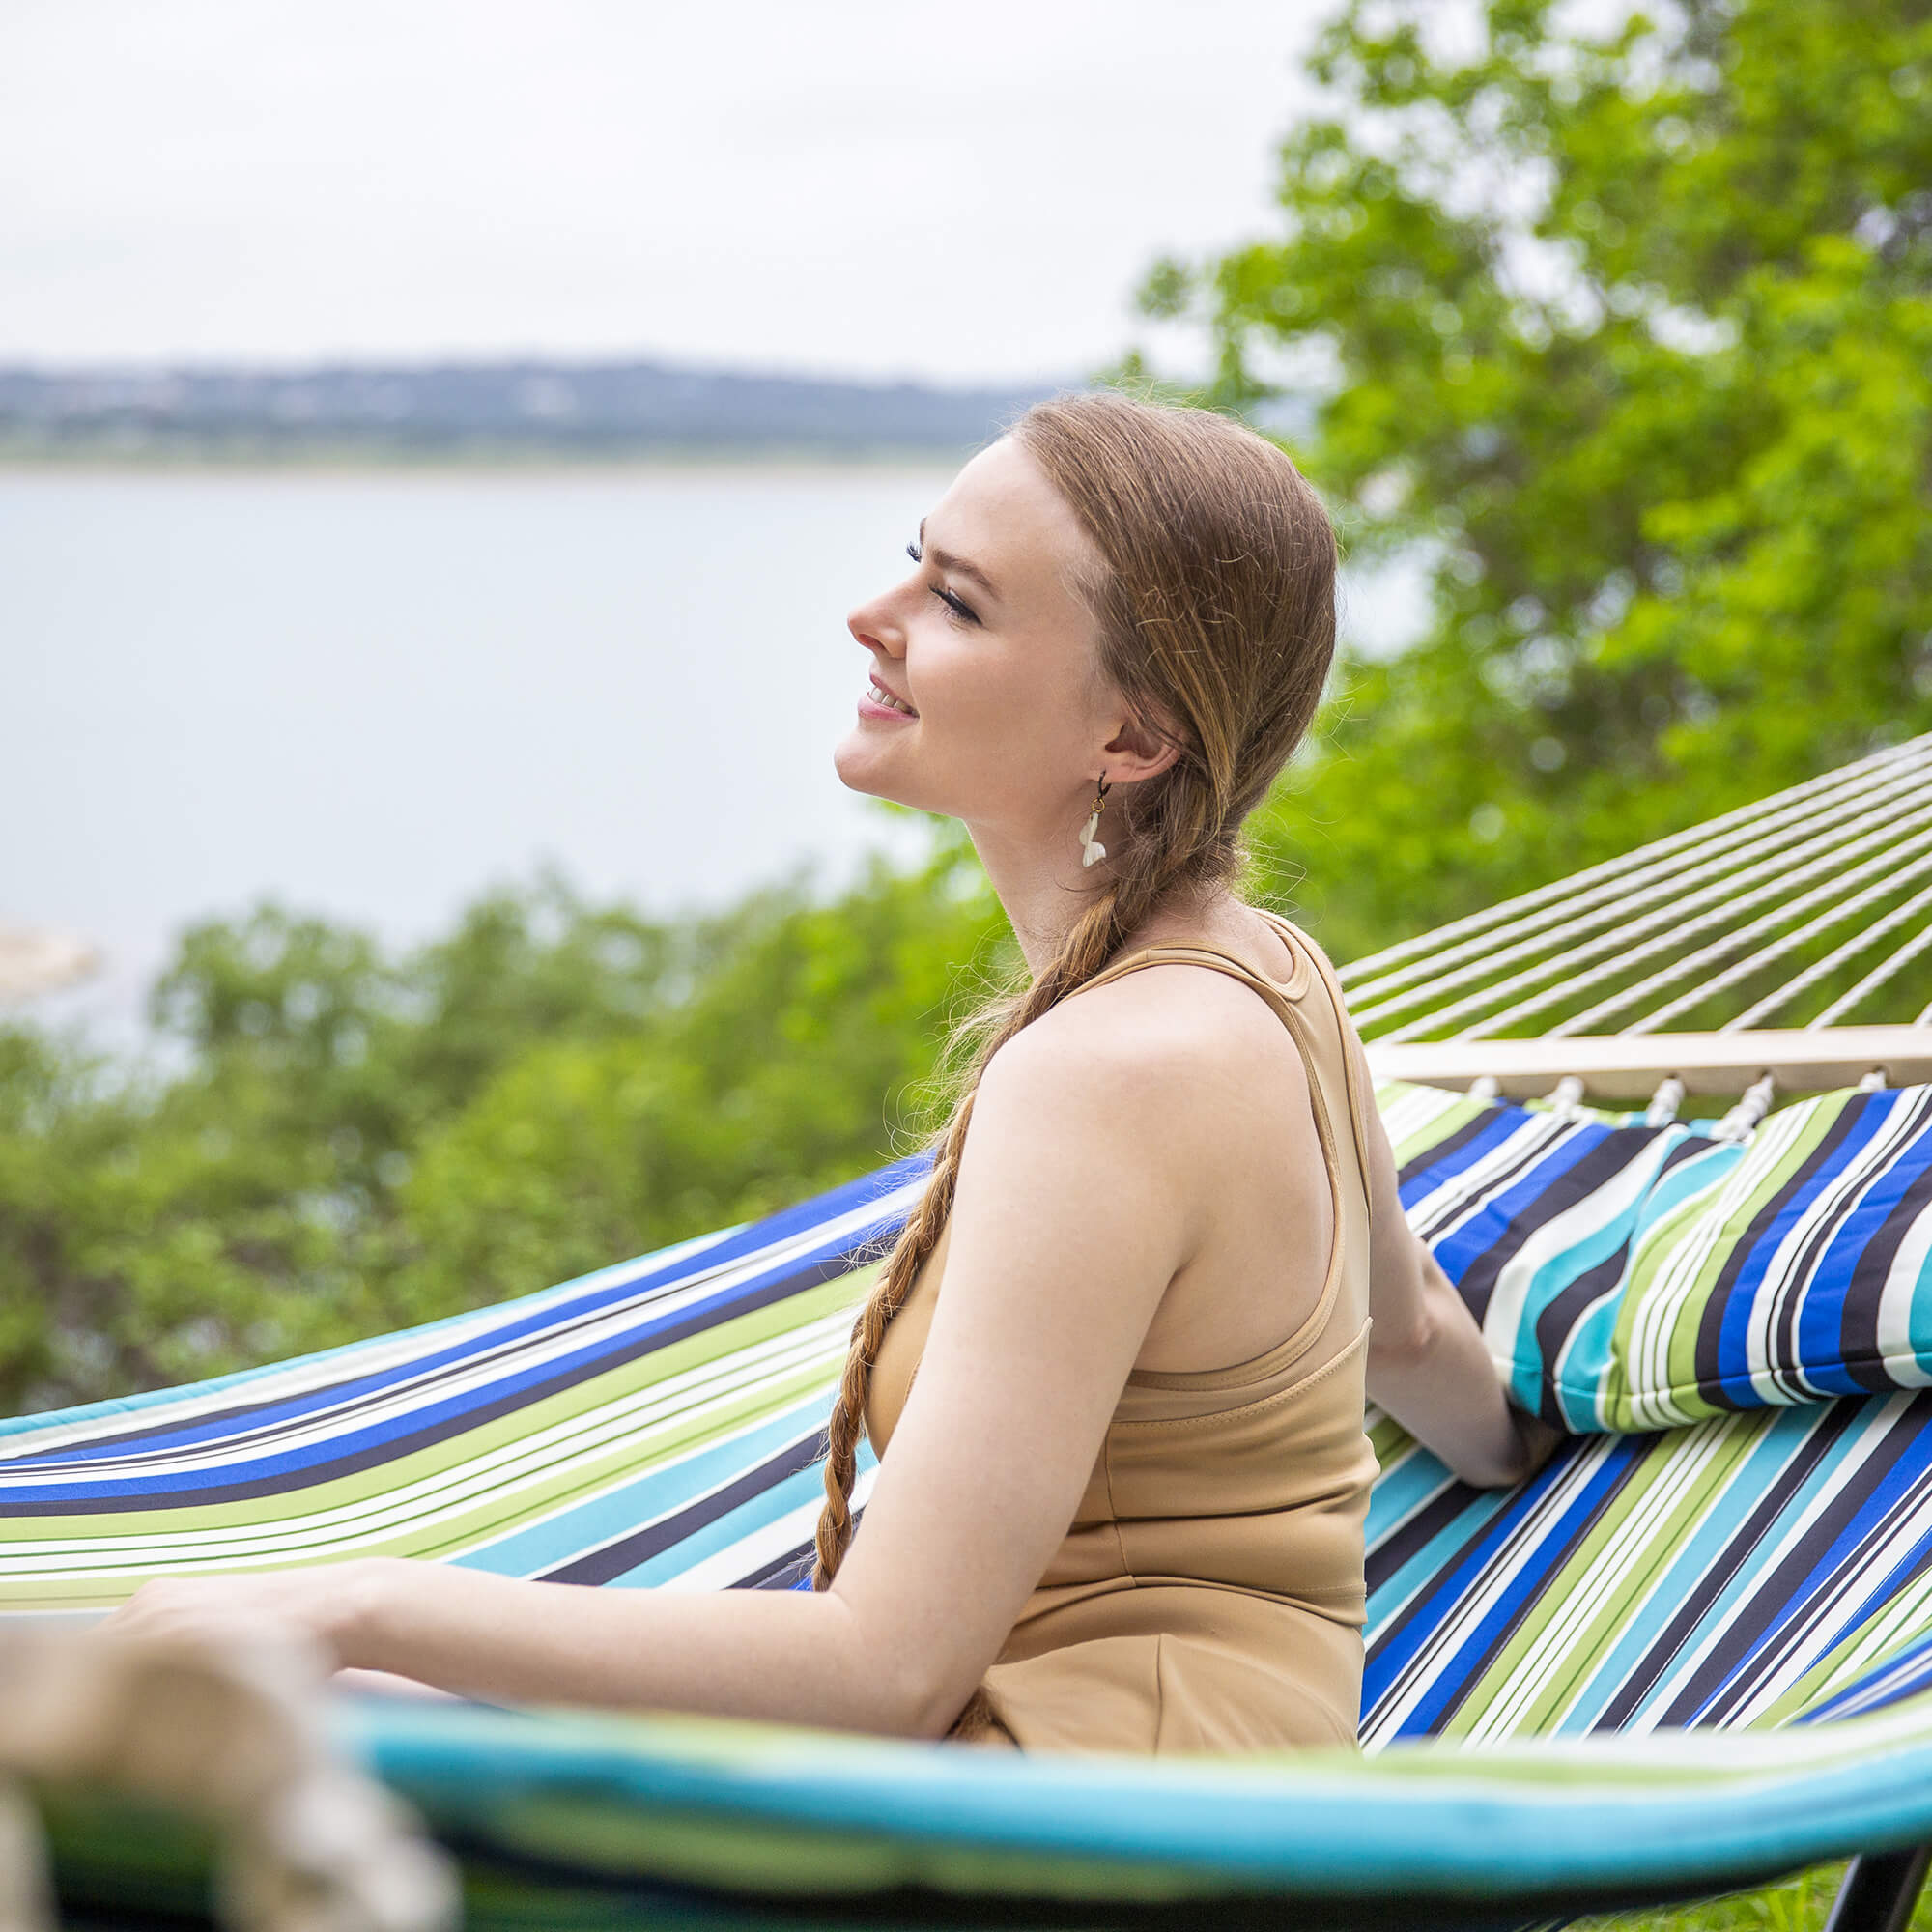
x: 1394, y: 1592
x: 1785, y: 1437
x: 668, y: 1486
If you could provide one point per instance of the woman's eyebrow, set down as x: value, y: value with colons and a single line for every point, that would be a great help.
x: 946, y: 560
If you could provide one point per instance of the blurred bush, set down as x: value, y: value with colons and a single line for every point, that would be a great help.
x: 357, y: 1143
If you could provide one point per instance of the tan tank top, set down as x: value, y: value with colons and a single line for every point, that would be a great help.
x: 1210, y: 1593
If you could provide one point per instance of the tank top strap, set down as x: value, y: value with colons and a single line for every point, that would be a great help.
x: 1318, y: 1058
x: 1354, y: 1099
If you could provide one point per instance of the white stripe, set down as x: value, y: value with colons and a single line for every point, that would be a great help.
x: 1851, y: 1459
x: 1625, y: 1571
x: 730, y: 1566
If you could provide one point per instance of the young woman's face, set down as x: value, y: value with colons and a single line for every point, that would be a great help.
x: 992, y: 649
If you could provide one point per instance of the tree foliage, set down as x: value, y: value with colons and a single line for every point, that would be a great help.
x: 350, y: 1143
x: 1635, y: 330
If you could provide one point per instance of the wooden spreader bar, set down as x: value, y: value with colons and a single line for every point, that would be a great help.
x: 1629, y: 1066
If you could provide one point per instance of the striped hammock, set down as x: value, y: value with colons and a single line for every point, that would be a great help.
x: 1695, y: 1650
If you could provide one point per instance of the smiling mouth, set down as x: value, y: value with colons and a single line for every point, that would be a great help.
x: 879, y: 695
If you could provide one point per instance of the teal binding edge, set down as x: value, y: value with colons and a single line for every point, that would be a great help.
x: 788, y: 1812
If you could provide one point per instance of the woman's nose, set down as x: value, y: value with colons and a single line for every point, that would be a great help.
x: 870, y: 626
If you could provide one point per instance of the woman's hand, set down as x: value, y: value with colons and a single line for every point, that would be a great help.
x: 323, y: 1606
x: 1540, y: 1442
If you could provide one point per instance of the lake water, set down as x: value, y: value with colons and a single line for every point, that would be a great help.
x: 372, y: 694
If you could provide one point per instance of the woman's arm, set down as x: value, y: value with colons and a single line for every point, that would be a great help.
x: 1428, y: 1364
x: 1071, y: 1216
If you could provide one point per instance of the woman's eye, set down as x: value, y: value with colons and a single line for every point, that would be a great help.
x: 958, y: 606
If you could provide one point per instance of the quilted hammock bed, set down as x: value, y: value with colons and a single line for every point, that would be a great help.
x: 1696, y: 1650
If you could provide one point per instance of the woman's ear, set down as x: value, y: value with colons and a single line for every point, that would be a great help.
x: 1137, y: 752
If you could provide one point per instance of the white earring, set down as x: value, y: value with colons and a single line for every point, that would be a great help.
x: 1091, y: 848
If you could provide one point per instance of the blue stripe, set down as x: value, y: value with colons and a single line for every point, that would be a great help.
x: 1402, y: 1647
x: 1777, y: 1444
x: 1908, y: 1470
x: 1473, y: 1238
x: 1452, y: 1677
x: 1426, y: 1180
x: 1820, y: 1329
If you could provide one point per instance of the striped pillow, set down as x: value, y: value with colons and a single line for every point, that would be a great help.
x: 1630, y: 1277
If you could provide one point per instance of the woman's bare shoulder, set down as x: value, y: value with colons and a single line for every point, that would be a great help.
x: 1175, y: 1036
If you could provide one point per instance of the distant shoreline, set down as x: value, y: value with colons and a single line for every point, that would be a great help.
x: 515, y: 415
x: 353, y: 456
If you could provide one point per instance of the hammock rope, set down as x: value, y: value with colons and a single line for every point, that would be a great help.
x: 1807, y: 803
x: 1836, y: 913
x: 1807, y: 837
x: 1860, y: 942
x: 1618, y: 954
x: 1631, y: 945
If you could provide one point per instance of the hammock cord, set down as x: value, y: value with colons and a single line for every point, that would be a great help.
x: 1722, y: 900
x: 1614, y: 901
x: 1860, y: 942
x: 1832, y: 915
x: 1430, y: 951
x: 1705, y: 910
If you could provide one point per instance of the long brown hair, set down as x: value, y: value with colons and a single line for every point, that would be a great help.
x: 1217, y: 620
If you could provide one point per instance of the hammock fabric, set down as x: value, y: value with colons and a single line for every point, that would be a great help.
x: 1669, y: 1662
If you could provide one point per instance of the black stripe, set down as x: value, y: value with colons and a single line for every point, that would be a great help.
x: 1443, y: 1509
x: 1708, y: 1354
x: 1479, y: 1190
x: 43, y: 1461
x: 1619, y: 1149
x: 1824, y: 1232
x: 1408, y: 1539
x: 1438, y: 1152
x: 1472, y: 1674
x: 625, y: 1552
x: 418, y: 1389
x: 1572, y: 1302
x: 783, y: 1571
x: 1858, y: 1342
x: 1852, y: 1576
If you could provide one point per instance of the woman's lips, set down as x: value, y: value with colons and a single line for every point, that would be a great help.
x: 872, y: 704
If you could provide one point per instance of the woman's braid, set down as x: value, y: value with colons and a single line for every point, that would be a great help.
x: 1097, y: 936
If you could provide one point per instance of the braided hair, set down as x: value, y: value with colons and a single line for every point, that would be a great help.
x: 1215, y: 614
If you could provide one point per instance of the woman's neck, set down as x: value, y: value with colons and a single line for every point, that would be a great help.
x: 1046, y: 898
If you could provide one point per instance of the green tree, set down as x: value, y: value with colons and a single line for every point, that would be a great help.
x: 1634, y: 330
x: 348, y: 1142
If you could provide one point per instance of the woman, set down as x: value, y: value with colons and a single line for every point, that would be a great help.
x: 1088, y: 1530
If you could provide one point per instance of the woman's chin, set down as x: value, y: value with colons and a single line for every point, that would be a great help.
x: 859, y: 769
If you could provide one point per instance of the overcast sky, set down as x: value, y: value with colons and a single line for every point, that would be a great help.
x: 862, y: 186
